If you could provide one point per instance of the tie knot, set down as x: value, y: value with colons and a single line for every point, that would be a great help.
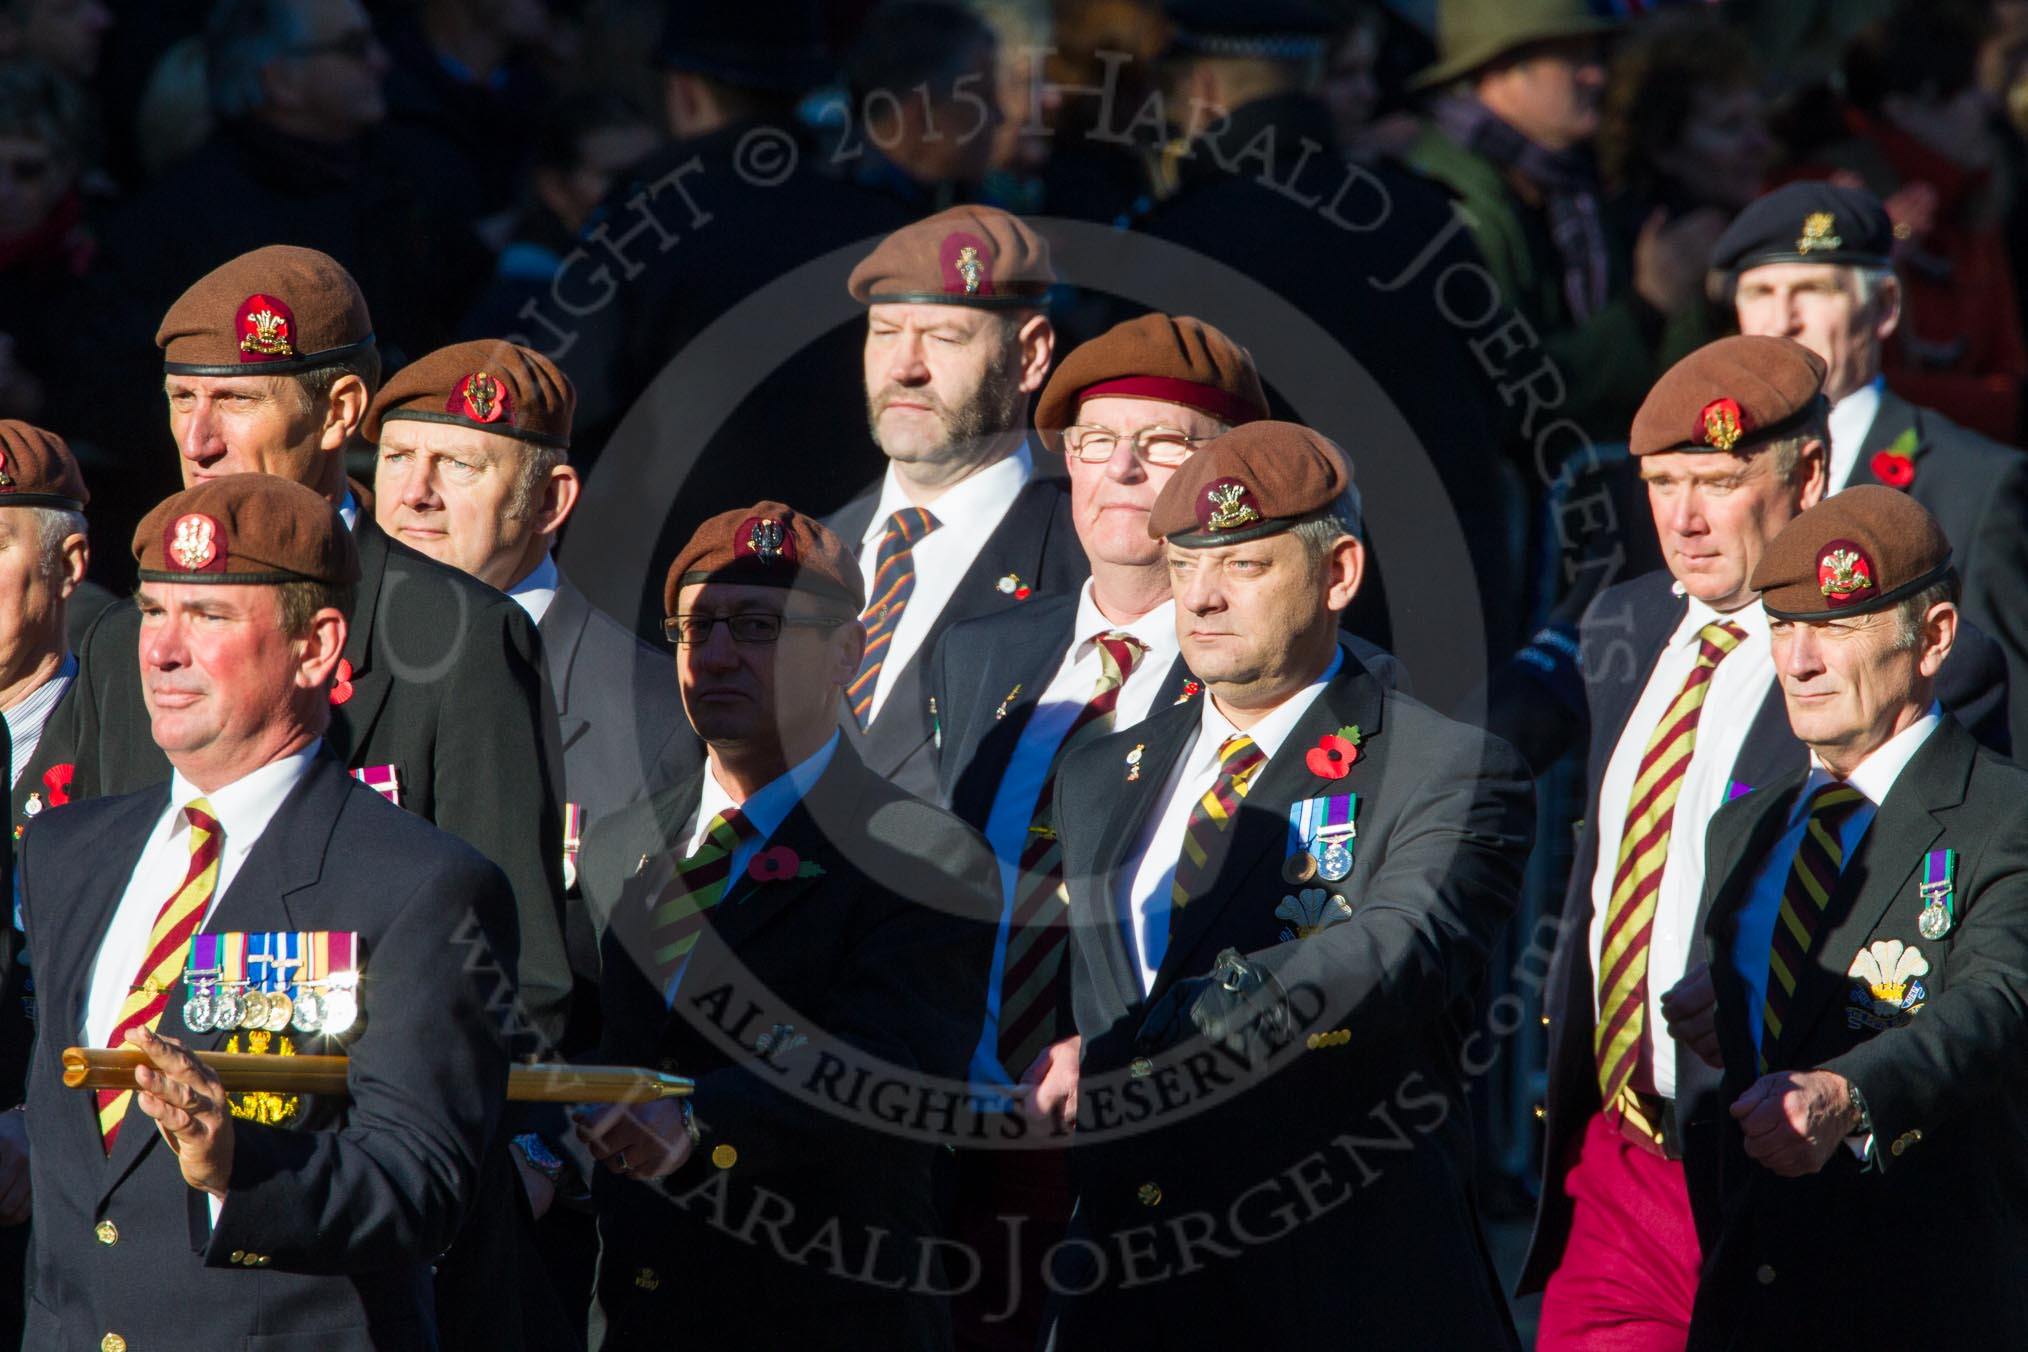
x: 1122, y: 648
x: 198, y: 813
x: 730, y: 829
x: 911, y: 524
x: 1835, y: 801
x: 1718, y: 639
x: 1238, y: 754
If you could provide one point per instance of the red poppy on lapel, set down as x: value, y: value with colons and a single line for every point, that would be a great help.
x: 57, y: 780
x: 773, y: 864
x: 1893, y: 469
x: 1332, y: 756
x: 341, y: 689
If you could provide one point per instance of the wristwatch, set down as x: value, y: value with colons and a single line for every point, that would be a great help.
x: 539, y: 1156
x: 1856, y: 1102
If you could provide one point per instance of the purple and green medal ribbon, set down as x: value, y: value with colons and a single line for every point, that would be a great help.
x: 1939, y: 869
x: 1321, y: 820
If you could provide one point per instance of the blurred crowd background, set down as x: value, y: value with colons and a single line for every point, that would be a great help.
x: 480, y: 165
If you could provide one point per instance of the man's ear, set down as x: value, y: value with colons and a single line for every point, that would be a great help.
x: 1813, y: 473
x: 344, y: 411
x: 559, y: 499
x: 1887, y: 308
x: 1037, y: 339
x: 1939, y: 635
x: 77, y: 558
x: 1344, y: 570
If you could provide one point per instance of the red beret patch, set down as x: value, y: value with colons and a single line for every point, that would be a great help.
x: 967, y: 265
x: 1843, y: 571
x: 1227, y: 504
x: 6, y: 479
x: 266, y: 329
x: 1721, y: 424
x: 195, y: 543
x: 763, y: 538
x: 481, y: 398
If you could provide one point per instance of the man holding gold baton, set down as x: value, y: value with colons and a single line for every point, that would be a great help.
x: 263, y: 902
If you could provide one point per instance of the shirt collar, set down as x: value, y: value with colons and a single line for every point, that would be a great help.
x: 1875, y: 775
x: 1156, y: 630
x: 1270, y: 732
x: 349, y: 511
x: 27, y: 718
x: 964, y: 503
x: 768, y: 806
x: 534, y: 592
x: 245, y: 806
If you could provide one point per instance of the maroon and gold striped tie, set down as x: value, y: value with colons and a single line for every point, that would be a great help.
x: 677, y: 919
x: 1204, y: 833
x: 168, y: 944
x: 887, y: 597
x: 1037, y: 932
x: 1620, y: 1041
x: 1812, y: 875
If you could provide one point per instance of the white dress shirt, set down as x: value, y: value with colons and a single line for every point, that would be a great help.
x: 1021, y: 783
x: 1739, y: 686
x: 243, y: 810
x: 534, y: 592
x: 1851, y: 419
x: 1151, y: 868
x: 967, y: 513
x: 1874, y: 777
x: 27, y: 719
x: 765, y: 810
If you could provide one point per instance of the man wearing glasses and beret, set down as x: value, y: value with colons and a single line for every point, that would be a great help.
x: 782, y: 920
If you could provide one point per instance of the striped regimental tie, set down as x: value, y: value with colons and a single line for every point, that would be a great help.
x: 1204, y: 834
x: 1800, y: 922
x: 1037, y: 933
x: 893, y: 583
x: 168, y: 946
x: 677, y: 918
x: 1625, y: 1073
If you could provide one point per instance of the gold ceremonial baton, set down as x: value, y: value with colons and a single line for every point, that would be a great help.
x: 241, y: 1073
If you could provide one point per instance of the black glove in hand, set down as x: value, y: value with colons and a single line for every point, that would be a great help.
x: 1238, y: 999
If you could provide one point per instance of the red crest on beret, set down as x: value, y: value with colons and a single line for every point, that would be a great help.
x: 967, y: 263
x: 1227, y: 504
x: 266, y: 329
x: 481, y: 398
x: 763, y: 538
x: 1722, y: 423
x: 195, y: 543
x: 6, y: 479
x: 1844, y: 573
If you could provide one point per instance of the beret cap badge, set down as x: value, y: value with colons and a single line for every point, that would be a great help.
x: 763, y: 538
x: 1228, y: 505
x: 482, y: 399
x: 1843, y: 571
x: 1723, y: 423
x: 266, y: 328
x: 970, y: 269
x: 193, y: 544
x: 967, y: 265
x: 1817, y: 236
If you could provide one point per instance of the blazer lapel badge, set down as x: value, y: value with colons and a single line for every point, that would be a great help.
x: 1007, y: 701
x: 1190, y: 692
x: 1134, y: 761
x: 1887, y: 985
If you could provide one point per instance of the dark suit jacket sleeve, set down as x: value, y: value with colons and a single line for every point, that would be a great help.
x: 1420, y: 935
x: 427, y: 1078
x: 1996, y: 581
x: 499, y: 787
x: 1967, y: 1044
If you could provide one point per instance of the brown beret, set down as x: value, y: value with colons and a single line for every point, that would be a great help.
x: 1254, y: 481
x: 767, y: 545
x: 273, y: 312
x: 1732, y: 395
x: 38, y: 470
x: 968, y: 255
x: 1857, y: 551
x: 250, y: 528
x: 1172, y: 359
x: 488, y: 385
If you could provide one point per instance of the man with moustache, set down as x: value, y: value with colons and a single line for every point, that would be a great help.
x: 1015, y: 691
x: 1683, y: 712
x: 1282, y: 898
x: 1815, y: 262
x: 172, y: 1214
x: 782, y: 918
x: 961, y: 525
x: 1868, y: 936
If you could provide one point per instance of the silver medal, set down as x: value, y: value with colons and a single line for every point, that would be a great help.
x: 1935, y: 921
x: 309, y: 1011
x: 1334, y: 862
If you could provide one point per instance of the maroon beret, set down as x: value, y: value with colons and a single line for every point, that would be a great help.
x: 1173, y: 359
x: 968, y: 255
x: 488, y: 385
x: 767, y: 545
x: 1732, y: 395
x: 1857, y: 551
x: 38, y: 470
x: 273, y: 312
x: 251, y: 528
x: 1254, y: 481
